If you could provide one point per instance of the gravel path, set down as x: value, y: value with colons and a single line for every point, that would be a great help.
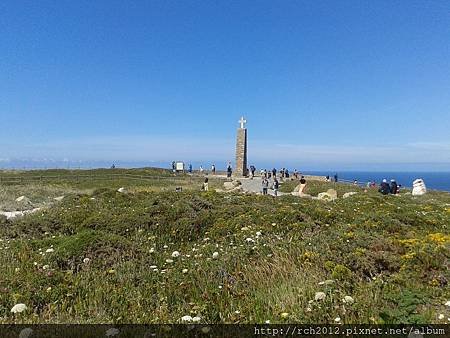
x: 254, y: 185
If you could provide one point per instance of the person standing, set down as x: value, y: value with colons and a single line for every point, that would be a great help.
x: 201, y: 169
x: 302, y: 185
x: 206, y: 184
x: 190, y: 168
x: 274, y: 172
x: 252, y: 170
x: 213, y: 169
x: 265, y: 185
x: 335, y: 178
x: 229, y: 170
x: 275, y: 186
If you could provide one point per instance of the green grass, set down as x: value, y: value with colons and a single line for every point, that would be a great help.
x: 389, y: 253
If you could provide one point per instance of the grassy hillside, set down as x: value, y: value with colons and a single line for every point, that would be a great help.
x: 152, y: 256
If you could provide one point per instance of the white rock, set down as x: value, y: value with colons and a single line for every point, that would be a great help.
x: 348, y: 194
x: 319, y: 296
x: 419, y: 187
x: 329, y: 195
x: 348, y: 300
x: 18, y: 308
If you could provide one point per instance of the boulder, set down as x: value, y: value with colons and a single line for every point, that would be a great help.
x: 329, y: 195
x: 348, y: 194
x: 303, y: 195
x: 419, y: 187
x: 231, y: 184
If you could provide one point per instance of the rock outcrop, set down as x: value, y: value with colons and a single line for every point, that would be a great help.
x: 329, y: 195
x: 349, y: 194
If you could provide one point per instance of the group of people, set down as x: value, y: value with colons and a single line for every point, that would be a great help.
x: 386, y: 188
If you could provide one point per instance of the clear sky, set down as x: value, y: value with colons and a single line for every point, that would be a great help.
x: 323, y: 84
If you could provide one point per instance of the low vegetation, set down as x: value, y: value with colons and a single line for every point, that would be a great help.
x: 154, y: 256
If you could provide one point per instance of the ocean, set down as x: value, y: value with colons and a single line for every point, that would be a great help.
x: 433, y: 180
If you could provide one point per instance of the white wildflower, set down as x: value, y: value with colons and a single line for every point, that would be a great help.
x: 267, y: 321
x: 18, y: 308
x: 348, y: 300
x: 250, y: 240
x: 215, y: 255
x: 186, y: 319
x: 258, y: 234
x: 45, y: 267
x: 175, y: 254
x: 337, y: 319
x: 185, y: 270
x: 49, y: 250
x: 319, y: 296
x: 441, y: 316
x: 86, y: 260
x: 169, y: 260
x: 447, y: 303
x: 152, y: 267
x: 196, y: 319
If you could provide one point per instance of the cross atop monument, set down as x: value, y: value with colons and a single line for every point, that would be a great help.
x: 242, y: 121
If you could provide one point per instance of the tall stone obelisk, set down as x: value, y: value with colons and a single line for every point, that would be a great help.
x: 241, y: 149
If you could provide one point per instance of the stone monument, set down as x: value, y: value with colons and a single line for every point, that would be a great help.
x: 241, y: 149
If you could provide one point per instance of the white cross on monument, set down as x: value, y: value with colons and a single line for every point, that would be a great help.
x: 242, y: 121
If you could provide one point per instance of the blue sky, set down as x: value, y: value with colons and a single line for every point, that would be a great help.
x: 323, y: 84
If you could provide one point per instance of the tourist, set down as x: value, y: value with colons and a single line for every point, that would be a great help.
x: 190, y: 168
x: 302, y: 185
x: 229, y: 170
x: 252, y: 170
x: 206, y: 184
x: 335, y: 178
x: 201, y: 169
x: 384, y: 187
x: 274, y: 172
x: 286, y: 173
x: 213, y: 169
x: 327, y: 178
x: 265, y: 185
x: 173, y: 166
x: 355, y: 182
x: 394, y: 188
x: 275, y: 186
x: 295, y: 174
